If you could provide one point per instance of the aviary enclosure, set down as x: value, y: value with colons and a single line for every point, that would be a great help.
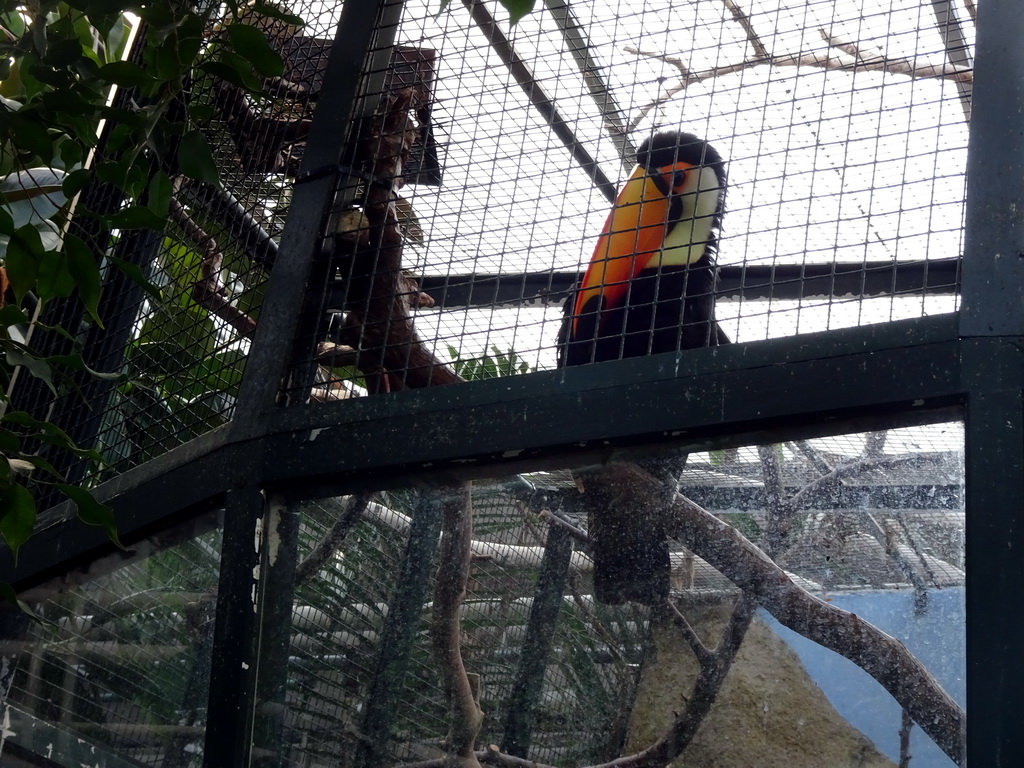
x: 360, y: 494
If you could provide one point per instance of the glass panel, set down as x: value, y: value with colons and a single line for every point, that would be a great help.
x: 572, y: 666
x: 115, y: 673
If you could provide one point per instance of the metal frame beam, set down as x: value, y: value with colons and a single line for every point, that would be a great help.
x: 992, y: 324
x: 850, y: 380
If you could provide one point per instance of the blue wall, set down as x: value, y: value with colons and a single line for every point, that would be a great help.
x: 937, y: 638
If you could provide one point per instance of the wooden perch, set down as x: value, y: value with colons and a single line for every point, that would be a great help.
x: 208, y: 292
x: 380, y: 296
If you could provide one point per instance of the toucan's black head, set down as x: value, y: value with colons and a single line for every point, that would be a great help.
x: 670, y: 147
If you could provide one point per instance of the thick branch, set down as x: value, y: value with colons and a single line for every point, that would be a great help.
x: 310, y: 567
x: 208, y: 291
x: 780, y: 510
x: 881, y: 656
x: 449, y: 593
x: 380, y: 296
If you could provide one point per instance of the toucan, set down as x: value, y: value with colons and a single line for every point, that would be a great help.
x: 649, y: 288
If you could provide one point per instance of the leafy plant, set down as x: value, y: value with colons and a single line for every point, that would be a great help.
x: 488, y: 366
x: 62, y: 66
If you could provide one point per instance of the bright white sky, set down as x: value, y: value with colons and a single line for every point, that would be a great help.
x: 823, y: 166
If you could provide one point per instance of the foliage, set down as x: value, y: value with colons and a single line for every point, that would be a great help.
x: 488, y: 366
x: 64, y: 73
x: 517, y: 9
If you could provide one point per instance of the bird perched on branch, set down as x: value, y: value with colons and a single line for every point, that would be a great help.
x: 649, y: 288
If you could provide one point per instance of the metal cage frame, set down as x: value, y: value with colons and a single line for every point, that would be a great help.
x: 966, y: 365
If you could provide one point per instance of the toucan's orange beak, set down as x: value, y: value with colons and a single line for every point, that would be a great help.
x: 632, y: 235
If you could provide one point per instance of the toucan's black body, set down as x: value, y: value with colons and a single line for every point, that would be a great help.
x: 665, y: 307
x: 669, y: 309
x: 649, y: 289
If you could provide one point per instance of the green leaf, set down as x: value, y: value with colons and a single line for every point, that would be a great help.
x: 276, y: 12
x: 33, y: 195
x: 195, y: 159
x: 9, y: 442
x: 48, y: 432
x: 252, y: 44
x: 76, y: 181
x: 235, y: 69
x: 160, y: 191
x: 71, y: 155
x: 21, y: 261
x: 37, y: 366
x: 17, y: 516
x: 135, y: 273
x: 13, y: 315
x: 40, y: 463
x: 201, y: 113
x: 30, y: 135
x: 91, y: 511
x: 517, y: 9
x: 135, y: 217
x: 54, y: 278
x: 63, y: 53
x: 7, y: 593
x: 77, y: 362
x: 124, y: 174
x: 86, y: 273
x: 126, y: 74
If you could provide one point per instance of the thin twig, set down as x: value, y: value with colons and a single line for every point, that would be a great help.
x: 744, y: 21
x: 714, y: 666
x: 704, y: 655
x: 906, y: 725
x: 849, y: 469
x: 577, y: 533
x: 842, y: 55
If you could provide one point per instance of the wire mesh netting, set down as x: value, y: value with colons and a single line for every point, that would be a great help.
x: 115, y: 672
x: 870, y: 522
x: 876, y: 517
x: 841, y: 127
x: 828, y: 194
x: 843, y: 130
x: 179, y: 306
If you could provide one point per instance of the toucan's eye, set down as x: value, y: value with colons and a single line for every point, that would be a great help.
x: 678, y: 179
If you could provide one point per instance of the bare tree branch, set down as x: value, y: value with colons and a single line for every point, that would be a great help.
x: 446, y: 629
x: 714, y: 666
x: 741, y: 17
x: 843, y: 55
x: 311, y: 565
x: 577, y: 533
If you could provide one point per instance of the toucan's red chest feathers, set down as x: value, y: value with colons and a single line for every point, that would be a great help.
x: 663, y: 221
